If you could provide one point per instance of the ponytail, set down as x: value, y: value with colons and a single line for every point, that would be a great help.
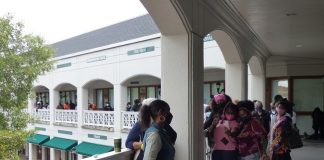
x: 145, y: 117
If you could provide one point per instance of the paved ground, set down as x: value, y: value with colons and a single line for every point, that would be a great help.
x: 310, y: 151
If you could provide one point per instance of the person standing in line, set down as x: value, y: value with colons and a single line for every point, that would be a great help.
x: 280, y: 148
x: 225, y: 145
x: 157, y: 142
x: 252, y: 133
x: 262, y: 115
x: 136, y: 135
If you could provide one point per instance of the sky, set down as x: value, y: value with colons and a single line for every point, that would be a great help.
x: 56, y: 20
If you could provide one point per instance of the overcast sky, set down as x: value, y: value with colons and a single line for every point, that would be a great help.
x: 57, y: 20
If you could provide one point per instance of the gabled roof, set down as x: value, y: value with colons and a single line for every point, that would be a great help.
x: 123, y: 31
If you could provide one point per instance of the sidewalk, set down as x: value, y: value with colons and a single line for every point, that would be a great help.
x: 310, y: 151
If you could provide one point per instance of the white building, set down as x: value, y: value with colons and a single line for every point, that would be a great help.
x: 116, y: 64
x: 133, y: 59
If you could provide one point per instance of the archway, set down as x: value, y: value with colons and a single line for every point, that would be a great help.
x: 141, y: 87
x: 41, y: 99
x: 67, y: 94
x: 100, y: 92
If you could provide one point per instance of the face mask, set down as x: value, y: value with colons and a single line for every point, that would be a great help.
x: 244, y: 119
x: 258, y: 109
x: 229, y: 117
x: 168, y: 118
x: 280, y: 111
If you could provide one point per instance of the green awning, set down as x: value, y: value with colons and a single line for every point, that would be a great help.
x: 38, y: 139
x: 61, y: 143
x: 90, y: 149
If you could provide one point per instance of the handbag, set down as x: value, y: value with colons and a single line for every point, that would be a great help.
x: 293, y: 139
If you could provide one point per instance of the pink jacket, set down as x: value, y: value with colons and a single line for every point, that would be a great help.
x: 222, y: 140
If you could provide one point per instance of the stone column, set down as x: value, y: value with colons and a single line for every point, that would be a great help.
x: 82, y: 104
x: 120, y: 101
x: 32, y: 151
x: 44, y: 154
x: 54, y: 101
x: 258, y: 87
x: 182, y: 89
x: 236, y: 77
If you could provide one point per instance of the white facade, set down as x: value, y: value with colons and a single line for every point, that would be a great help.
x: 105, y: 67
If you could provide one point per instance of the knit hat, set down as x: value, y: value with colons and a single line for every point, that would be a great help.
x: 220, y: 98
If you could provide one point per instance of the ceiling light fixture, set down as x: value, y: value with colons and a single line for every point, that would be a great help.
x: 291, y: 14
x: 299, y: 45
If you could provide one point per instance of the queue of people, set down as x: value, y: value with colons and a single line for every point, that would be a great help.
x: 245, y: 130
x: 242, y: 130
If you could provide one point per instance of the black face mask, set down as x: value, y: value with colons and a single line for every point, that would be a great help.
x: 245, y: 119
x: 168, y: 118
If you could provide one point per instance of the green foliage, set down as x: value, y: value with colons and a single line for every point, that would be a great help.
x: 23, y: 57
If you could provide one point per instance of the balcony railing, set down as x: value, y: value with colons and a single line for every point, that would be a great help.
x: 125, y: 154
x: 99, y: 118
x: 129, y: 119
x: 41, y: 114
x: 66, y: 116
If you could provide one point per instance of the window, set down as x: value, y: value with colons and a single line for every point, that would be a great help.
x: 212, y: 88
x: 68, y: 96
x: 279, y: 87
x: 42, y: 97
x: 308, y: 94
x: 143, y: 92
x: 104, y: 96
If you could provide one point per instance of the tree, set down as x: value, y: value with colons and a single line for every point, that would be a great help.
x: 23, y: 57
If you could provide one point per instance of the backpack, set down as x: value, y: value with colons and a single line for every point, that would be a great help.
x: 293, y: 138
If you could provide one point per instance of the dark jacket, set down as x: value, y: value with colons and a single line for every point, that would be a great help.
x: 136, y: 135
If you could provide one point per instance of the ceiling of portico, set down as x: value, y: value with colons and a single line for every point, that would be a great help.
x: 293, y: 28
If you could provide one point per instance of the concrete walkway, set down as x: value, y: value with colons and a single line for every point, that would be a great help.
x: 310, y: 151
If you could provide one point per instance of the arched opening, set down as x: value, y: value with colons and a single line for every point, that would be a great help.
x: 141, y: 87
x: 41, y: 99
x: 222, y: 50
x: 214, y: 83
x: 100, y: 94
x: 67, y: 96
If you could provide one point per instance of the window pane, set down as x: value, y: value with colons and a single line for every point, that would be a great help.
x: 158, y: 92
x: 308, y: 94
x: 280, y: 87
x: 134, y: 94
x: 128, y: 95
x: 142, y: 94
x: 151, y: 92
x: 111, y: 97
x: 99, y: 96
x: 206, y: 93
x: 73, y: 97
x: 105, y: 96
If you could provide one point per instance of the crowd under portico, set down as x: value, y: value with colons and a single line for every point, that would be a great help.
x: 248, y: 43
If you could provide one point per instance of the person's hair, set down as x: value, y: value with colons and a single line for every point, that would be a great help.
x: 231, y: 107
x: 136, y: 101
x: 288, y: 106
x: 246, y: 105
x: 277, y: 98
x: 152, y: 111
x: 258, y: 104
